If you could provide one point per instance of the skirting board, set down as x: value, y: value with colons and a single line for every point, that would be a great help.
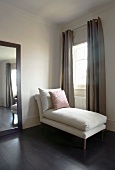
x: 1, y: 102
x: 30, y: 122
x: 111, y: 125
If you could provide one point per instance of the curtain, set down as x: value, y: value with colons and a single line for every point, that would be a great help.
x: 67, y: 66
x: 9, y: 91
x: 96, y: 83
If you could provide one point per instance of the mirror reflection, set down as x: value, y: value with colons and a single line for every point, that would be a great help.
x: 8, y: 89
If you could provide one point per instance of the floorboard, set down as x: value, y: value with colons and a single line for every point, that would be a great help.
x: 48, y: 148
x: 6, y: 119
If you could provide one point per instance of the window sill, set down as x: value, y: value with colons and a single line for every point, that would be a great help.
x: 80, y: 91
x: 79, y: 88
x: 84, y: 96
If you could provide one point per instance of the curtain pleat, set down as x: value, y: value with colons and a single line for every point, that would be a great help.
x: 96, y: 83
x: 9, y: 91
x: 67, y: 66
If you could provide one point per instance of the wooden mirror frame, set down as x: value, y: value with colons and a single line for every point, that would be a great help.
x: 19, y: 105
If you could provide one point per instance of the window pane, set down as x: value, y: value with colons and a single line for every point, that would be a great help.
x: 81, y: 67
x: 80, y: 53
x: 80, y: 64
x: 14, y: 86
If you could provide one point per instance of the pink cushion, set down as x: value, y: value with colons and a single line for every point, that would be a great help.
x: 59, y: 99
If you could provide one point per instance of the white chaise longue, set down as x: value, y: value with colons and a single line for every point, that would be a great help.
x: 81, y: 123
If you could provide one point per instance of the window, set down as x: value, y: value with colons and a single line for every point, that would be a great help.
x: 14, y: 85
x: 80, y: 65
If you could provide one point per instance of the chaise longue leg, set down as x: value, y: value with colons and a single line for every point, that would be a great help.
x: 85, y: 139
x: 84, y: 143
x: 12, y: 118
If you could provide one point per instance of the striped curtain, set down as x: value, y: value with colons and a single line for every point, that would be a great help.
x: 9, y: 91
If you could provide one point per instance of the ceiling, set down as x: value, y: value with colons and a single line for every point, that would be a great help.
x: 57, y: 11
x: 7, y: 53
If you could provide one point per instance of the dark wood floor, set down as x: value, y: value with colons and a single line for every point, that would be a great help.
x: 6, y: 119
x: 52, y: 149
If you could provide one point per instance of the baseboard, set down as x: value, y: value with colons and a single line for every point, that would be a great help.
x: 31, y: 122
x: 1, y: 102
x: 111, y: 125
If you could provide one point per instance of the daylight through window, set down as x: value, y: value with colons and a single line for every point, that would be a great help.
x: 14, y: 84
x: 80, y: 65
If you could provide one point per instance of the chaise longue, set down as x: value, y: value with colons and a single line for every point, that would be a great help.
x: 81, y: 123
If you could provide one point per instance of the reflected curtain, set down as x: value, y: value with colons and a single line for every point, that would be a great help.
x: 67, y: 66
x: 9, y: 91
x: 96, y: 83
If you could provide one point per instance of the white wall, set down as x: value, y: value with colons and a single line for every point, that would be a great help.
x: 40, y: 56
x: 107, y: 15
x: 1, y: 99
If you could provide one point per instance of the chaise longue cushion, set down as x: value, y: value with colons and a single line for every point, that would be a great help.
x: 46, y: 99
x: 81, y: 119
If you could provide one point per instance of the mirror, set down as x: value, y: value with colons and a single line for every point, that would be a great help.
x: 10, y: 88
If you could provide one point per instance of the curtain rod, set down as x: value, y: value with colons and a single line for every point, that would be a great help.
x: 79, y: 27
